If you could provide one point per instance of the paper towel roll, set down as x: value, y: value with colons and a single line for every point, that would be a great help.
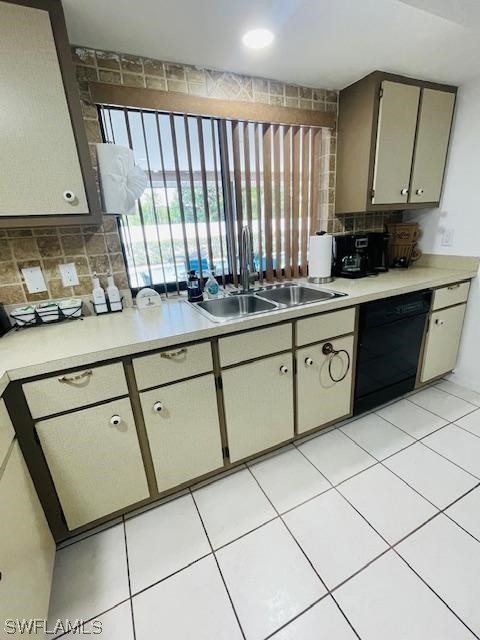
x: 122, y: 182
x: 320, y: 257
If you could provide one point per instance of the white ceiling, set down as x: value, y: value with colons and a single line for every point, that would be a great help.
x: 324, y: 43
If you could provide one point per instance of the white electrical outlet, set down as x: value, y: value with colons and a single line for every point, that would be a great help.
x: 69, y: 274
x: 448, y: 237
x: 34, y: 279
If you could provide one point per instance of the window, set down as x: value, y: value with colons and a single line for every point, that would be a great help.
x: 207, y: 178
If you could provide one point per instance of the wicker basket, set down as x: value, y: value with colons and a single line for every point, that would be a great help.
x: 403, y: 233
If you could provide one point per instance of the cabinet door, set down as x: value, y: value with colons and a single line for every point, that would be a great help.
x: 38, y: 152
x: 183, y: 430
x: 27, y: 549
x: 435, y: 120
x: 96, y: 465
x: 397, y: 121
x: 443, y: 341
x: 258, y: 400
x: 320, y: 400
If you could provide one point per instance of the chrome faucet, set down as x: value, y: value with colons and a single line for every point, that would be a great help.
x: 247, y: 273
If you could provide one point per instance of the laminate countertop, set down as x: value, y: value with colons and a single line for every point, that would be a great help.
x: 45, y: 349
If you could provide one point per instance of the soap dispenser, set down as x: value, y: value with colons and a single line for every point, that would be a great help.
x: 114, y: 299
x: 211, y: 286
x: 193, y: 287
x: 99, y: 299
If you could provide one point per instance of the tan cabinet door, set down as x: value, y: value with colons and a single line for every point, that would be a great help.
x: 38, y: 152
x: 443, y: 341
x: 183, y: 430
x: 319, y: 399
x: 96, y: 465
x: 434, y: 123
x: 397, y: 122
x: 258, y: 401
x: 27, y: 549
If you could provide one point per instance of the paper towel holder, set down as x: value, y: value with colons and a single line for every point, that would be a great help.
x: 324, y: 279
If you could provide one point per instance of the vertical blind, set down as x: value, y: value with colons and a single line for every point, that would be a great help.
x: 207, y: 178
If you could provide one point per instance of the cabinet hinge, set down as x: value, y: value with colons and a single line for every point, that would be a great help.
x: 218, y: 384
x: 372, y: 193
x: 226, y: 452
x: 380, y: 95
x: 35, y: 435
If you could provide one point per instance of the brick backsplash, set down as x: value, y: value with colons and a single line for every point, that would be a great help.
x: 97, y: 248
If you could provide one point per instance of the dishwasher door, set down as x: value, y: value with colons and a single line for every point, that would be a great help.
x: 390, y: 339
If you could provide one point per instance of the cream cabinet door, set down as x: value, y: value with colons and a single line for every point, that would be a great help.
x: 183, y: 430
x: 27, y: 549
x: 443, y: 341
x: 397, y: 122
x: 320, y: 399
x: 95, y: 461
x: 258, y: 399
x: 433, y: 133
x: 38, y: 152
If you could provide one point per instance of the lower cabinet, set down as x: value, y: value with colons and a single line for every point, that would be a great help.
x: 258, y: 399
x: 183, y: 430
x: 443, y: 341
x: 324, y: 383
x: 95, y: 461
x: 27, y: 549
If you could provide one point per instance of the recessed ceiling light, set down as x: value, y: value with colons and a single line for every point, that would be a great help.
x: 257, y: 38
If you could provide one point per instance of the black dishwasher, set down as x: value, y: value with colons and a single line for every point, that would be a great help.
x: 390, y: 339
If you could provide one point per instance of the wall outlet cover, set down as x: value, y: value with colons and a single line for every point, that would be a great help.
x: 69, y: 274
x: 34, y: 280
x: 448, y: 237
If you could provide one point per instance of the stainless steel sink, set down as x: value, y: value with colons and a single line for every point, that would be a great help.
x: 294, y: 295
x: 229, y: 308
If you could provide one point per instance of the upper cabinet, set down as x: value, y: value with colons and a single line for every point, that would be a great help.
x: 393, y: 135
x: 46, y: 172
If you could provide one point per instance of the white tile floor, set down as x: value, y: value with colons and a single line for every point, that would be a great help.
x: 369, y: 531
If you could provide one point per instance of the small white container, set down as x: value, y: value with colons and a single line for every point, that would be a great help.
x: 71, y: 308
x: 23, y: 315
x: 48, y: 311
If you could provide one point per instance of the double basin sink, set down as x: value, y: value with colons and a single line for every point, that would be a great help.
x: 238, y: 305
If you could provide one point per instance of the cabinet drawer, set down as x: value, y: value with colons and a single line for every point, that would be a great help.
x: 183, y: 430
x: 254, y: 344
x: 448, y: 296
x: 71, y: 390
x: 6, y: 431
x: 173, y: 364
x: 326, y: 325
x: 96, y: 466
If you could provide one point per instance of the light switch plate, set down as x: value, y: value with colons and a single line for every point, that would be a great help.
x: 69, y: 274
x: 448, y: 237
x: 34, y: 280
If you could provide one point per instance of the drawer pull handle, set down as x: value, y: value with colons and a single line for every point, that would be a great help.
x: 308, y: 362
x: 115, y: 421
x: 76, y: 376
x: 158, y: 407
x: 169, y: 355
x: 454, y: 286
x: 283, y: 369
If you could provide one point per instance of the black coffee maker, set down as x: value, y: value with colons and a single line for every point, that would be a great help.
x: 360, y: 255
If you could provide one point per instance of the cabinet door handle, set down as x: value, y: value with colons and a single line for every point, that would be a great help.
x: 454, y: 286
x: 419, y: 192
x: 404, y: 191
x: 439, y: 322
x: 308, y: 362
x: 283, y: 369
x: 169, y: 355
x: 115, y: 420
x: 158, y: 407
x: 76, y: 377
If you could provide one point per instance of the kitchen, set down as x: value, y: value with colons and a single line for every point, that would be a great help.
x: 252, y: 275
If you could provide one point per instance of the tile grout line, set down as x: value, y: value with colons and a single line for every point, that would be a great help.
x: 328, y: 591
x: 95, y: 617
x: 128, y: 576
x: 392, y: 548
x: 218, y: 566
x: 454, y: 394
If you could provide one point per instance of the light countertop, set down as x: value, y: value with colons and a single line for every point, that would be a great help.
x: 46, y: 349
